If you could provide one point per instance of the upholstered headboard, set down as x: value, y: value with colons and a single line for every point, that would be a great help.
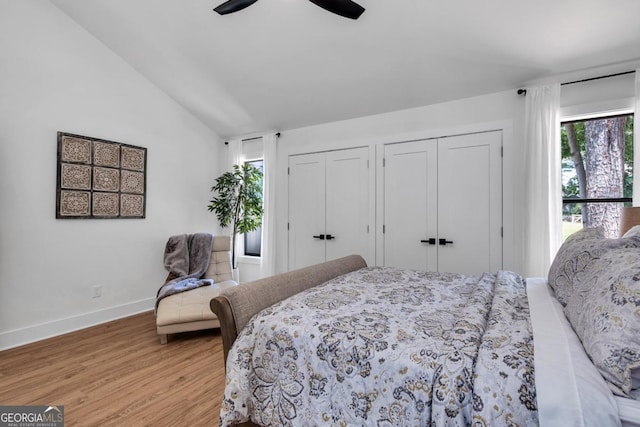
x: 235, y: 306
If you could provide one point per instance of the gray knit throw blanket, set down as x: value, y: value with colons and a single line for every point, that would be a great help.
x: 186, y: 257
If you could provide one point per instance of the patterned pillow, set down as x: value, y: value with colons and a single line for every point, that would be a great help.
x: 635, y: 379
x: 605, y: 313
x: 573, y: 257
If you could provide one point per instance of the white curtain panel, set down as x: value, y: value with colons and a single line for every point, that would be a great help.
x: 543, y: 188
x: 234, y: 157
x: 636, y: 139
x: 268, y: 264
x: 234, y: 153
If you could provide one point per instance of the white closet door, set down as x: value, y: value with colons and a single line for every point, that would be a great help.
x: 347, y: 203
x: 470, y: 203
x: 410, y: 204
x: 306, y: 210
x: 329, y: 213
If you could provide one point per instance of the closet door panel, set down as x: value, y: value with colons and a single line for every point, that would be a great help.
x: 347, y: 203
x: 306, y: 210
x: 410, y: 204
x: 470, y: 203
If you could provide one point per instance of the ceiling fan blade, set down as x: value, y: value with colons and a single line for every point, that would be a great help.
x: 231, y: 6
x: 345, y: 8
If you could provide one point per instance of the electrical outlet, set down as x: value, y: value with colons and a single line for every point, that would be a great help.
x: 97, y: 291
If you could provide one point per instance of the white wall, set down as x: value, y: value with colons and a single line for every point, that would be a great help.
x: 504, y: 110
x: 56, y: 77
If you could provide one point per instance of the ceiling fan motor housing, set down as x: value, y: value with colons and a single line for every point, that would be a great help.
x: 346, y: 8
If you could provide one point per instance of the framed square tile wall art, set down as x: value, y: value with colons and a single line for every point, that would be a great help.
x: 100, y: 179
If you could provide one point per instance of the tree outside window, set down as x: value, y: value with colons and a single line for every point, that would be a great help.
x: 597, y: 172
x: 253, y: 239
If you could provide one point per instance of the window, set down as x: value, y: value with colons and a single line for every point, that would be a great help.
x: 597, y: 172
x: 253, y: 239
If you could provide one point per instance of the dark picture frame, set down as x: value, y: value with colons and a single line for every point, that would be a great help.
x: 97, y: 178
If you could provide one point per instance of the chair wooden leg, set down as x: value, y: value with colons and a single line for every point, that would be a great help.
x: 163, y: 339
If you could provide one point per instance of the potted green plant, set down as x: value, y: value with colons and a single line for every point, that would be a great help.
x: 238, y: 202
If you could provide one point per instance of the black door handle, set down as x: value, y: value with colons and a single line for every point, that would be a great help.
x: 321, y: 237
x: 329, y: 237
x: 431, y: 241
x: 443, y: 242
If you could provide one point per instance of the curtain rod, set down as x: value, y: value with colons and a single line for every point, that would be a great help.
x: 524, y: 91
x: 251, y: 139
x: 598, y: 78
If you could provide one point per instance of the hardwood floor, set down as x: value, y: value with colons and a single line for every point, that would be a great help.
x: 119, y: 374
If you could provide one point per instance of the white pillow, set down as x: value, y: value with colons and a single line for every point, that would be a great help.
x: 633, y: 231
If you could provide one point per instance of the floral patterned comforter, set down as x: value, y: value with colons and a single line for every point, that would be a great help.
x: 388, y: 347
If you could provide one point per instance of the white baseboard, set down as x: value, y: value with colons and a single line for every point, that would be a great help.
x: 54, y: 328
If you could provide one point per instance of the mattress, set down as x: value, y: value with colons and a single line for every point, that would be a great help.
x: 387, y: 342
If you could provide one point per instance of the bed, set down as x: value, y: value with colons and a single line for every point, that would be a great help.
x: 341, y: 343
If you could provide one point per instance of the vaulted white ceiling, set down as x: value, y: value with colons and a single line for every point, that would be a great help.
x: 283, y: 64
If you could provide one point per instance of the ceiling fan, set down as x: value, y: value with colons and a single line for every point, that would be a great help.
x: 346, y: 8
